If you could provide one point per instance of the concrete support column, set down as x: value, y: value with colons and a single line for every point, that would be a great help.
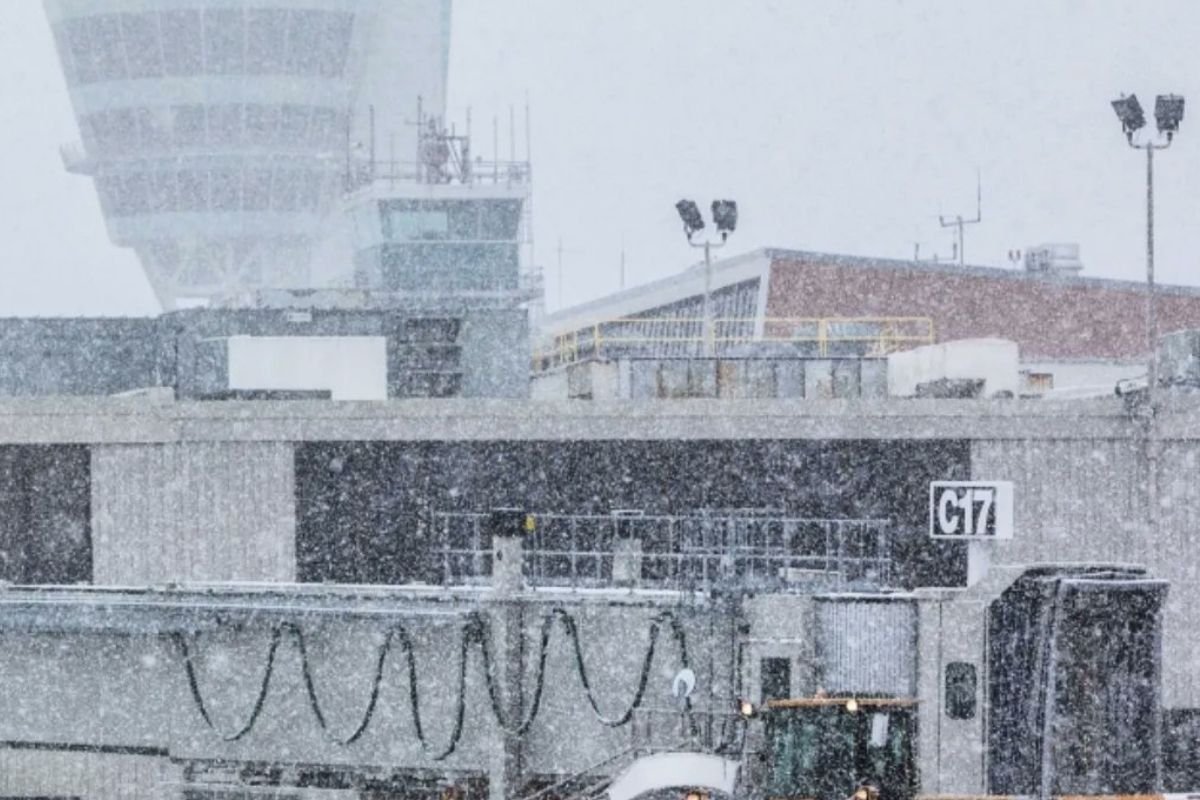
x: 508, y: 527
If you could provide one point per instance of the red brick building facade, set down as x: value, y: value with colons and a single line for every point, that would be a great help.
x: 1050, y: 317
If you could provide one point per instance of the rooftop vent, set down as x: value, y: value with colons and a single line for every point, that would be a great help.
x: 1053, y: 259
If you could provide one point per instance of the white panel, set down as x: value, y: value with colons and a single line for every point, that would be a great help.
x: 193, y: 511
x: 351, y: 367
x: 992, y: 360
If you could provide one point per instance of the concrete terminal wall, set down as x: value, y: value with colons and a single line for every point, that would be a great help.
x: 1079, y: 473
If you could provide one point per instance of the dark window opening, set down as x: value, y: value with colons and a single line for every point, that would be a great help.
x: 961, y: 682
x: 45, y: 530
x: 776, y: 678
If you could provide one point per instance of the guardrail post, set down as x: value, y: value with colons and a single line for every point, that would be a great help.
x: 508, y: 528
x: 627, y: 550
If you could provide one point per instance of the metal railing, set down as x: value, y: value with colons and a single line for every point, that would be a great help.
x: 763, y: 552
x: 816, y: 336
x: 363, y: 172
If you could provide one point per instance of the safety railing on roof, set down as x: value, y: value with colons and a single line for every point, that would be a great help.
x: 649, y: 337
x: 763, y: 551
x: 363, y: 172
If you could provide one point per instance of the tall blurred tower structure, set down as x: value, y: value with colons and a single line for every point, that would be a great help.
x: 219, y: 132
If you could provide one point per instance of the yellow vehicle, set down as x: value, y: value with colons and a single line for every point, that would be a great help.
x: 833, y: 748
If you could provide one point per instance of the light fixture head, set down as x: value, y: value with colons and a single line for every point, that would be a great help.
x: 725, y: 215
x: 1129, y: 112
x: 1168, y: 113
x: 689, y: 212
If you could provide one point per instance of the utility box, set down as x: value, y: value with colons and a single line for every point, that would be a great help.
x: 995, y: 362
x: 1179, y: 359
x: 1075, y: 665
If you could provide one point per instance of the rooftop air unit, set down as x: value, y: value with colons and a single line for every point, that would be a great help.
x: 1054, y: 259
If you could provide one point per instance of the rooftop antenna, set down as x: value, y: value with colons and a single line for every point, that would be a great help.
x: 622, y: 262
x: 512, y: 135
x: 529, y: 180
x: 960, y: 223
x: 559, y: 278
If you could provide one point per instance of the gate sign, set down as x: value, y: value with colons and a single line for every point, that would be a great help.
x: 971, y: 509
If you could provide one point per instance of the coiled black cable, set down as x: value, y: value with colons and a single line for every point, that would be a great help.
x: 259, y: 702
x: 475, y: 631
x: 311, y: 689
x: 572, y: 630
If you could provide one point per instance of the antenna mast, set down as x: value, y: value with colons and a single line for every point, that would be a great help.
x: 960, y: 223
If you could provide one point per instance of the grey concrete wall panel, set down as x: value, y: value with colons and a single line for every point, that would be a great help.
x: 101, y: 689
x: 962, y: 635
x: 781, y: 626
x: 866, y: 645
x: 44, y: 357
x: 873, y: 377
x: 929, y: 696
x: 1172, y: 555
x: 113, y: 420
x: 201, y: 512
x: 1074, y: 500
x: 186, y: 350
x: 495, y: 353
x: 91, y: 776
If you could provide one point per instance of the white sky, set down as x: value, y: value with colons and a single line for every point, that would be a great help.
x: 838, y: 126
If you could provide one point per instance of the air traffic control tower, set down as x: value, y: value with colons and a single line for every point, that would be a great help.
x: 219, y: 132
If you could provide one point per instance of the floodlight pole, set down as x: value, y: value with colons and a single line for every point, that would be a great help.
x: 708, y: 335
x: 1151, y: 294
x: 1151, y: 325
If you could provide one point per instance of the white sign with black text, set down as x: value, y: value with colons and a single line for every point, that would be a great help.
x: 971, y: 510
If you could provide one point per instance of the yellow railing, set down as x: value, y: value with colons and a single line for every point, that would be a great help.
x: 688, y: 335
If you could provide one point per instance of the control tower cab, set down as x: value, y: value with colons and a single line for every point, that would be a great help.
x: 443, y: 236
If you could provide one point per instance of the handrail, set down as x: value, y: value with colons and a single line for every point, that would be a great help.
x: 883, y: 335
x: 676, y: 551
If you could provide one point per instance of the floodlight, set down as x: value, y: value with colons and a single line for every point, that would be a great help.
x: 1129, y: 111
x: 690, y: 214
x: 1168, y: 112
x: 725, y: 216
